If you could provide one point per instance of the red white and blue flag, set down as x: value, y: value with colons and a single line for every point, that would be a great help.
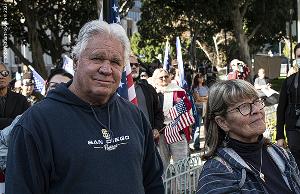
x: 181, y: 119
x: 39, y: 81
x: 177, y: 110
x: 126, y: 88
x: 172, y: 133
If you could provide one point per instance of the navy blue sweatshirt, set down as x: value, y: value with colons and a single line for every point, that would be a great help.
x: 64, y: 145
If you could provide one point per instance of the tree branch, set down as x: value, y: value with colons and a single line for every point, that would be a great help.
x: 254, y: 31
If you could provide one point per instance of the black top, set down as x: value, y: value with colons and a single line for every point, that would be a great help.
x: 251, y: 153
x: 286, y: 115
x: 15, y: 104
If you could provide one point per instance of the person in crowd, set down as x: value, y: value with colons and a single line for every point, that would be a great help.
x: 11, y: 104
x: 200, y: 94
x: 264, y: 90
x: 170, y: 94
x: 28, y: 91
x: 144, y: 75
x: 239, y: 70
x: 56, y: 77
x: 147, y: 99
x: 288, y: 112
x: 211, y: 74
x: 100, y: 143
x: 239, y: 158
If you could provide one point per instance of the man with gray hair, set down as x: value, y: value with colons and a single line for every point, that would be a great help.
x: 83, y: 137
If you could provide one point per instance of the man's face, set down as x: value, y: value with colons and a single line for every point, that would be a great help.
x: 261, y: 73
x: 98, y: 69
x: 135, y: 70
x: 27, y: 87
x: 55, y: 80
x: 4, y: 77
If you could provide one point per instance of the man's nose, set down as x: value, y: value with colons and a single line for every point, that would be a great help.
x: 105, y: 68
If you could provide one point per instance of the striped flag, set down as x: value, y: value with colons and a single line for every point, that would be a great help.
x: 181, y: 119
x: 39, y: 81
x: 177, y: 110
x: 126, y: 88
x: 182, y: 82
x: 172, y: 134
x: 167, y: 60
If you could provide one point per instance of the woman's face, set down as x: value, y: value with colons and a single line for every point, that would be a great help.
x: 245, y: 128
x: 200, y: 80
x: 163, y: 79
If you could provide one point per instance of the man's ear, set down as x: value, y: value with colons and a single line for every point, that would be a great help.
x: 221, y: 122
x: 75, y: 62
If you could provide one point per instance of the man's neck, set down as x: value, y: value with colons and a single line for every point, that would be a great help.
x: 3, y: 91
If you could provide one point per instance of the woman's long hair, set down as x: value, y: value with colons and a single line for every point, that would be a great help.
x: 222, y: 95
x: 196, y: 80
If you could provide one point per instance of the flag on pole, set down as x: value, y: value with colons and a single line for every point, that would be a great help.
x: 39, y: 81
x: 68, y: 64
x: 182, y: 82
x: 167, y: 60
x: 126, y: 88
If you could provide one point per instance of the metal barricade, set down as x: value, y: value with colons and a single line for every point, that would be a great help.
x: 182, y: 177
x: 271, y: 120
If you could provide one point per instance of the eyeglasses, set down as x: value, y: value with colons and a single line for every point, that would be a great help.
x: 162, y: 78
x: 134, y: 64
x: 246, y: 108
x: 52, y: 85
x: 4, y: 73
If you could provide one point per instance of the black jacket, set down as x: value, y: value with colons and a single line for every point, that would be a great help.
x: 15, y: 105
x: 156, y: 115
x: 286, y: 115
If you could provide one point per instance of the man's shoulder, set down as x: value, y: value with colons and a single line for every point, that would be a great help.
x: 12, y: 94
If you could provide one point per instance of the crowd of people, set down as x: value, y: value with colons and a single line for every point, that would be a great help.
x: 82, y: 137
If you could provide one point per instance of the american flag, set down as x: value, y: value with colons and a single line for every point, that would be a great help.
x: 182, y: 120
x: 177, y: 110
x: 126, y: 88
x: 172, y: 133
x: 39, y: 81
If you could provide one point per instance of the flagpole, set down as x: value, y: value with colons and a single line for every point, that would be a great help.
x: 100, y: 9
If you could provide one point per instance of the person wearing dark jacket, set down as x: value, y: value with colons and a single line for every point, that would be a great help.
x: 239, y: 158
x: 11, y: 104
x: 147, y: 99
x: 99, y: 142
x: 288, y: 112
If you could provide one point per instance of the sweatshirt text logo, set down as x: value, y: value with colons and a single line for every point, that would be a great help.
x: 109, y: 144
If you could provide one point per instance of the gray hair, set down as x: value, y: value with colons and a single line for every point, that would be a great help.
x: 222, y: 95
x: 94, y: 27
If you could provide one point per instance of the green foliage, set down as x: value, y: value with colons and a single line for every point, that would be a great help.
x: 262, y: 21
x: 147, y: 50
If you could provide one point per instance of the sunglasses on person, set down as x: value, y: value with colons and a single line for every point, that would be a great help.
x: 134, y: 64
x: 163, y: 77
x: 246, y: 108
x: 4, y: 73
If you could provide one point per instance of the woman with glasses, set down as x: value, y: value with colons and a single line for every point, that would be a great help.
x: 239, y: 158
x: 170, y: 94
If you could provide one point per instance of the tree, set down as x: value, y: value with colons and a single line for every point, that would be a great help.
x: 144, y: 48
x: 46, y: 25
x: 245, y: 20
